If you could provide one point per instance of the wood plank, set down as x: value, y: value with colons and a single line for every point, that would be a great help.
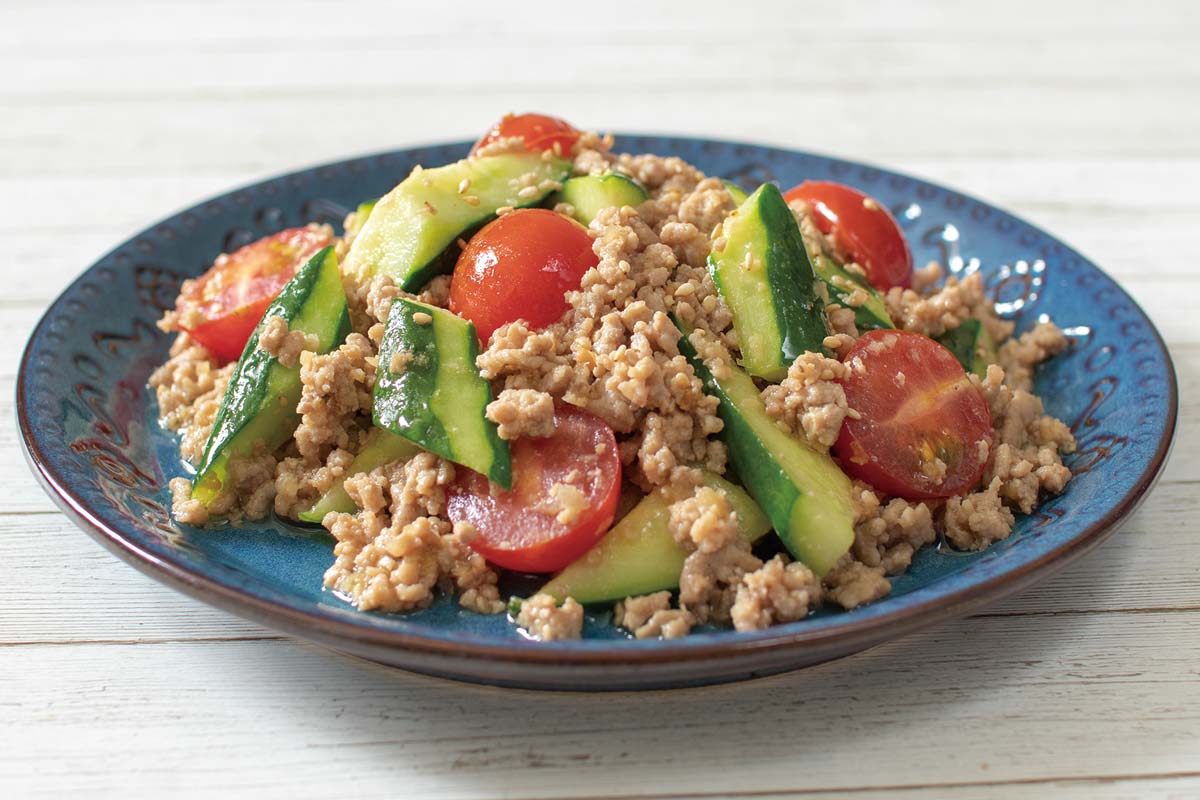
x: 1005, y: 699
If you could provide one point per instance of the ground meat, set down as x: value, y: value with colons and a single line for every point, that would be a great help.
x: 1027, y: 448
x: 1019, y: 356
x: 522, y: 412
x: 285, y: 345
x: 709, y: 582
x: 545, y: 620
x: 567, y: 503
x: 298, y: 484
x: 934, y: 314
x: 189, y: 388
x: 248, y: 490
x: 979, y: 519
x: 183, y: 507
x: 852, y: 583
x: 651, y: 616
x: 335, y: 390
x: 703, y: 521
x: 468, y: 571
x: 774, y: 593
x: 809, y: 402
x: 887, y: 535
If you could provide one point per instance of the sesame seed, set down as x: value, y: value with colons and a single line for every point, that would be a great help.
x: 502, y: 210
x: 870, y: 205
x: 421, y: 318
x: 463, y: 185
x: 470, y: 199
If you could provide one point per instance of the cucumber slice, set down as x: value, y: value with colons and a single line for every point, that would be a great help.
x: 361, y: 214
x: 409, y: 233
x: 972, y: 345
x: 736, y: 192
x: 588, y: 194
x: 764, y: 274
x: 259, y: 407
x: 639, y: 555
x: 382, y: 447
x: 804, y: 493
x: 428, y: 390
x: 871, y: 315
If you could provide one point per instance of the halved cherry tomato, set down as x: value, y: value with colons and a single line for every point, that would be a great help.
x: 231, y: 297
x: 518, y: 267
x: 862, y: 228
x: 539, y: 131
x: 520, y: 529
x: 915, y: 406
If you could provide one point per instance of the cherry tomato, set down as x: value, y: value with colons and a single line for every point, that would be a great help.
x: 520, y: 529
x: 860, y: 227
x: 915, y: 406
x: 518, y: 267
x: 231, y: 297
x: 539, y: 131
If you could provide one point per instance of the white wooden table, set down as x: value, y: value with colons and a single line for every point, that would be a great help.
x: 1084, y: 119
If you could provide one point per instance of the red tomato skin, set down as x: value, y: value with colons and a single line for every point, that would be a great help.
x: 935, y: 404
x: 861, y: 227
x: 510, y: 531
x: 233, y: 294
x: 540, y: 132
x: 520, y: 266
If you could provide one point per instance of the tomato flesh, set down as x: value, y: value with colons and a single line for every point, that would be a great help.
x: 915, y: 405
x: 231, y: 297
x: 519, y: 266
x: 540, y: 132
x: 520, y: 529
x: 862, y: 228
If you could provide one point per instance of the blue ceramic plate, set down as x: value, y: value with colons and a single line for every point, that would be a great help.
x: 89, y: 429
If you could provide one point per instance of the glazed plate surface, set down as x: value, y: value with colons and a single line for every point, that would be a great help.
x: 89, y: 428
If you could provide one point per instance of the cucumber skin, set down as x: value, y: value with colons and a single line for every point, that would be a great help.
x: 971, y: 345
x: 795, y: 314
x: 811, y: 512
x: 736, y: 192
x: 406, y: 403
x: 591, y: 193
x: 382, y: 447
x: 639, y: 555
x: 260, y: 402
x: 872, y: 315
x: 390, y: 240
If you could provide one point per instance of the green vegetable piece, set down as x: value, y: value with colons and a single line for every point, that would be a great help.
x: 361, y: 214
x: 736, y: 192
x: 382, y: 447
x: 428, y: 390
x: 588, y: 194
x: 841, y: 282
x: 409, y: 234
x: 972, y: 345
x: 804, y: 493
x: 763, y: 272
x: 639, y: 555
x: 258, y: 410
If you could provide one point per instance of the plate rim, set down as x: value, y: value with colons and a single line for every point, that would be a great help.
x: 847, y: 636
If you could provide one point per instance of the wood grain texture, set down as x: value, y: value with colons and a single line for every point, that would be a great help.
x: 1079, y: 117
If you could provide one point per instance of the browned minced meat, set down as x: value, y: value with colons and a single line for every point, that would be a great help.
x: 979, y: 519
x: 809, y: 402
x: 888, y: 534
x: 522, y: 412
x: 1019, y: 356
x: 285, y: 345
x: 544, y: 619
x: 650, y: 616
x: 774, y: 593
x: 299, y: 482
x: 189, y: 388
x: 392, y: 553
x: 852, y: 583
x: 335, y: 397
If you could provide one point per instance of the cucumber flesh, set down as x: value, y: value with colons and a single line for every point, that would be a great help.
x: 736, y: 192
x: 259, y: 407
x: 639, y: 555
x: 428, y: 390
x: 804, y: 493
x: 588, y: 194
x: 871, y: 315
x: 764, y: 274
x: 382, y: 447
x: 410, y: 232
